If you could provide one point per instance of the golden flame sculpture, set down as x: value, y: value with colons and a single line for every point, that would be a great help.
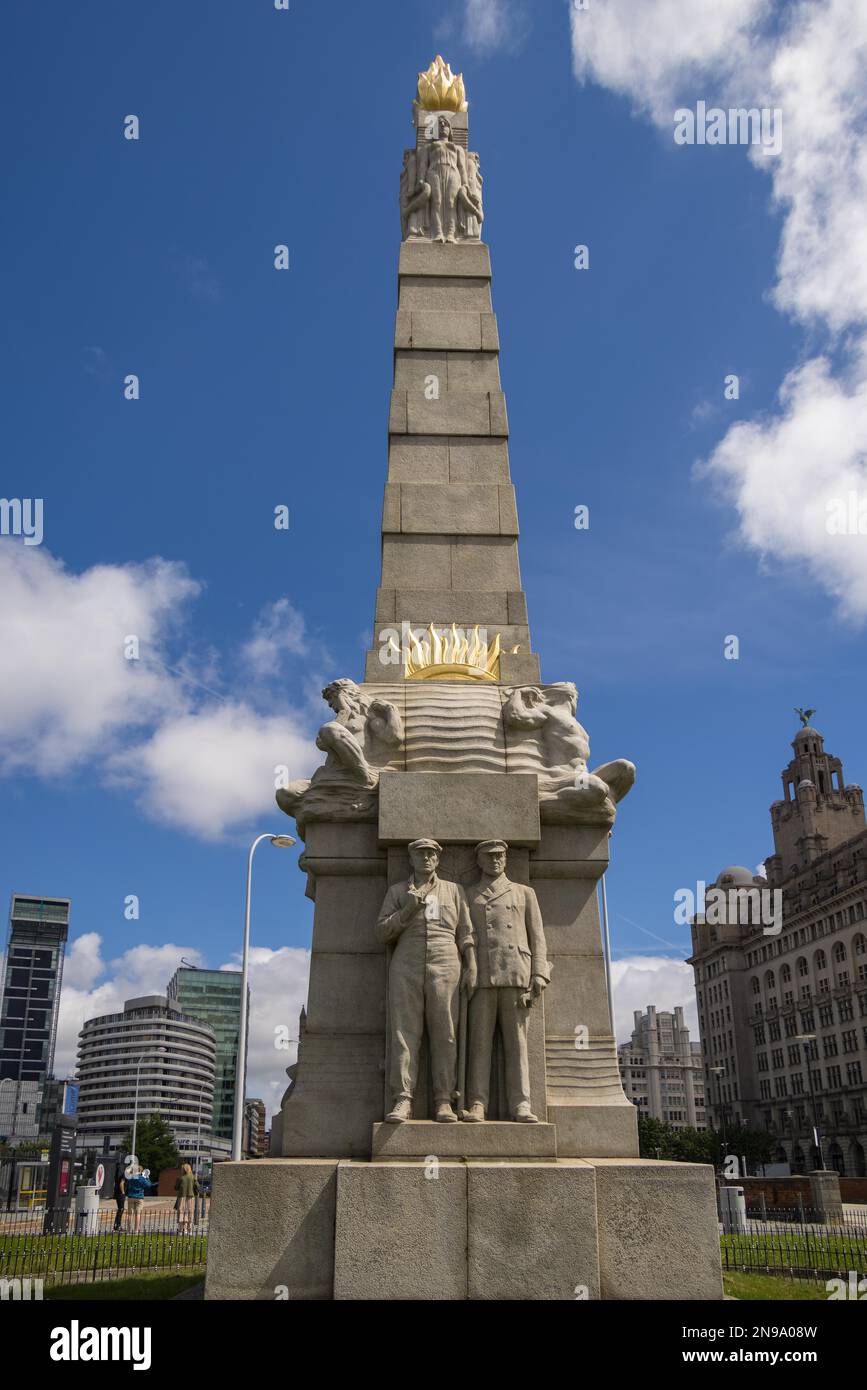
x: 439, y: 90
x: 451, y: 655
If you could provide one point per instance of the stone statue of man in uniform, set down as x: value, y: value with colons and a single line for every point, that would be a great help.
x: 512, y: 971
x: 428, y: 922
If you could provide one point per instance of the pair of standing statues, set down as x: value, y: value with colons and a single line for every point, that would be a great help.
x: 477, y: 956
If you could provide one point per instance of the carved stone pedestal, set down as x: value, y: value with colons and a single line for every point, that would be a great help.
x: 317, y: 1229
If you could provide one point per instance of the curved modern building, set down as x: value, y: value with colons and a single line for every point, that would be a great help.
x: 175, y: 1058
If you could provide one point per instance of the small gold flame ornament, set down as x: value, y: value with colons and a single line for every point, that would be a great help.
x: 452, y: 655
x: 439, y: 90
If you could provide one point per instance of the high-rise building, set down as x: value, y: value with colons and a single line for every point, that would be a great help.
x: 661, y: 1069
x: 38, y: 929
x: 150, y: 1059
x: 214, y: 996
x: 782, y: 996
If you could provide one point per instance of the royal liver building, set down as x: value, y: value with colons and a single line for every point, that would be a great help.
x: 782, y: 1004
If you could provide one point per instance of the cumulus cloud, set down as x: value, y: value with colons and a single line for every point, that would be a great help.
x: 783, y: 471
x: 278, y: 988
x: 790, y: 475
x: 214, y: 768
x: 65, y: 685
x: 641, y: 980
x: 654, y: 51
x: 194, y: 755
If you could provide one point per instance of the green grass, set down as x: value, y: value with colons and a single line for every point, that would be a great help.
x: 839, y: 1253
x: 145, y: 1288
x: 763, y: 1287
x: 49, y: 1257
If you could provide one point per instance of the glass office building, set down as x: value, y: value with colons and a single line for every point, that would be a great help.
x: 38, y: 929
x: 214, y: 997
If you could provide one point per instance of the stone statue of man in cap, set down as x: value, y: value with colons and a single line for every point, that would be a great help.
x: 512, y: 970
x: 428, y: 923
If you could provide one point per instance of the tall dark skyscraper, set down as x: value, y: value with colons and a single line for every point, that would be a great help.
x: 38, y: 929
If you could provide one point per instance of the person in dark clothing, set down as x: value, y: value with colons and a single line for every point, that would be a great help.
x: 119, y: 1197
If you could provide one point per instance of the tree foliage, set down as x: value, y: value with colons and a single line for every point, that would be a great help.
x: 155, y: 1145
x: 660, y: 1140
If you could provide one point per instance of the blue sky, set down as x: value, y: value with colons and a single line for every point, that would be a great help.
x: 261, y: 388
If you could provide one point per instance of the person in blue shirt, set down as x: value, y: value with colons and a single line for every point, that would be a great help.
x: 137, y: 1183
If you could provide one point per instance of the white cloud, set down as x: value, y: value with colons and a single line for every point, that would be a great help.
x: 490, y: 24
x: 641, y: 980
x: 278, y: 630
x: 780, y: 472
x: 213, y: 769
x: 192, y: 756
x: 66, y: 688
x: 785, y: 471
x: 83, y: 963
x: 653, y: 51
x: 278, y: 989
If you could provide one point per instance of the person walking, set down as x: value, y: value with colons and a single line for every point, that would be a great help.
x: 119, y: 1197
x: 187, y: 1189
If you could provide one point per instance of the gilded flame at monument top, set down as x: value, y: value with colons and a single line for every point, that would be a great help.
x: 440, y: 90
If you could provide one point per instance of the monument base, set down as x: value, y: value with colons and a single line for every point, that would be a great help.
x: 418, y: 1229
x: 496, y: 1139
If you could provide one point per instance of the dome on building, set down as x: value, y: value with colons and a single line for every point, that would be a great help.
x: 734, y: 876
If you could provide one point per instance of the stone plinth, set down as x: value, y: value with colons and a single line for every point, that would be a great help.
x: 516, y: 1230
x: 825, y: 1189
x: 496, y: 1139
x: 272, y: 1229
x: 658, y: 1230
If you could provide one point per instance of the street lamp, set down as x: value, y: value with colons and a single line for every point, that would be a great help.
x: 817, y: 1139
x: 150, y: 1052
x: 202, y: 1090
x: 282, y: 842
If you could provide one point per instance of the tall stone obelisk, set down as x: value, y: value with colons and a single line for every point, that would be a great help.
x: 453, y: 742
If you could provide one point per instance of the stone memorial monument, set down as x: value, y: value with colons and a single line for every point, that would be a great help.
x: 455, y: 1126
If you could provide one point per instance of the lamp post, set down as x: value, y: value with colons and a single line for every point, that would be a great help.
x: 282, y: 842
x: 720, y: 1072
x: 809, y: 1039
x: 202, y: 1090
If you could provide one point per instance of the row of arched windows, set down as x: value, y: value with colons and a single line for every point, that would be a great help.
x: 820, y: 962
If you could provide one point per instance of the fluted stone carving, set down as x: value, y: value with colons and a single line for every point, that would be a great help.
x: 428, y: 726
